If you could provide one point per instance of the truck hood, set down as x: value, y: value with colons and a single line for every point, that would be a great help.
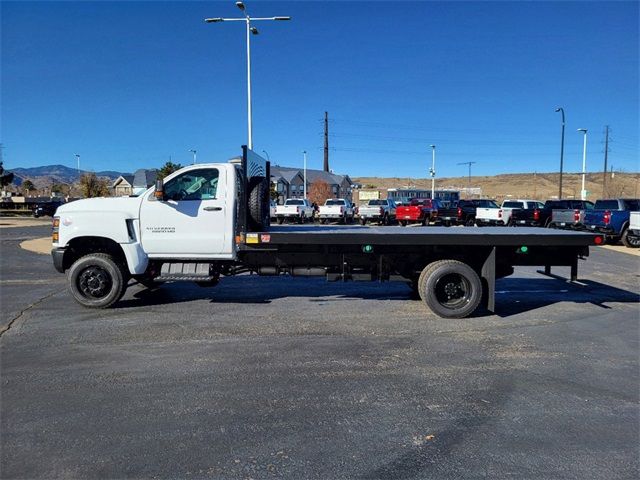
x: 128, y: 207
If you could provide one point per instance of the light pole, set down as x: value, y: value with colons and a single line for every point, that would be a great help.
x: 304, y: 186
x: 561, y: 110
x: 583, y: 192
x: 432, y: 171
x: 77, y: 155
x: 250, y: 31
x: 194, y: 155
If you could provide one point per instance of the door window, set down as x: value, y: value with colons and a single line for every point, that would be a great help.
x: 193, y: 185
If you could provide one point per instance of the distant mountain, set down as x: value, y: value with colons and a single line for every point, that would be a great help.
x: 59, y: 173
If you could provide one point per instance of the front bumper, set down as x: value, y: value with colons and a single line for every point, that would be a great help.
x: 57, y: 254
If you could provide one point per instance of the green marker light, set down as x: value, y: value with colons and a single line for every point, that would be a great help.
x: 524, y: 249
x: 367, y: 248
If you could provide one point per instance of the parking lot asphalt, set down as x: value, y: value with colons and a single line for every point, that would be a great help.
x: 297, y: 378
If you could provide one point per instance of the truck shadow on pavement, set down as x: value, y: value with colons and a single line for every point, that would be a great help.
x: 513, y: 295
x: 519, y: 295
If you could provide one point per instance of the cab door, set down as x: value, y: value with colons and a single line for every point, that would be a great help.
x: 190, y: 220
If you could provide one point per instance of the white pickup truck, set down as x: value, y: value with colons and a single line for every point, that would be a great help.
x: 294, y: 209
x: 383, y: 211
x: 336, y: 209
x: 633, y: 232
x: 502, y: 215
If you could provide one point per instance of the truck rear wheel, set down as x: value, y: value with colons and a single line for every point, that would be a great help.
x: 363, y: 221
x: 630, y: 241
x: 450, y: 288
x: 97, y: 280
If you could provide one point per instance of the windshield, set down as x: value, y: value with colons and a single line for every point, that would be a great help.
x: 377, y: 202
x: 486, y: 204
x: 335, y: 202
x: 513, y: 205
x: 294, y: 202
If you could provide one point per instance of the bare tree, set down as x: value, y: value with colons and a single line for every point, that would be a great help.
x: 92, y: 186
x: 319, y: 192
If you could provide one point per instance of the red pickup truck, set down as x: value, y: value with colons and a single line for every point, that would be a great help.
x: 422, y: 211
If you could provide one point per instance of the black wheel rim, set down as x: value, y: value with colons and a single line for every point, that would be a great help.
x: 95, y: 282
x: 453, y: 291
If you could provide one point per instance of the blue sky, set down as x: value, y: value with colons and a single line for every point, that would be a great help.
x: 129, y: 84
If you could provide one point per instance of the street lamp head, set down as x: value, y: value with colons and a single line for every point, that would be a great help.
x: 432, y: 146
x: 240, y: 5
x: 254, y: 30
x: 213, y: 20
x: 558, y: 109
x: 583, y: 130
x: 282, y: 18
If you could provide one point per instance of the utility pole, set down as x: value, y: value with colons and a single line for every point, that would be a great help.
x: 326, y: 142
x: 604, y: 172
x: 469, y: 182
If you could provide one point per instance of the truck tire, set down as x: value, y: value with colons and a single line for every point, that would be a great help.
x: 97, y: 280
x: 259, y: 205
x: 551, y: 225
x: 450, y: 288
x: 630, y: 241
x: 385, y: 219
x: 280, y: 220
x: 470, y: 223
x: 363, y: 221
x: 403, y: 223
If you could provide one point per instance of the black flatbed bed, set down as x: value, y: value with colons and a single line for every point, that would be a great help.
x: 463, y: 236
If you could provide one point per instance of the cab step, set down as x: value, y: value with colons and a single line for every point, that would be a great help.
x: 195, y: 272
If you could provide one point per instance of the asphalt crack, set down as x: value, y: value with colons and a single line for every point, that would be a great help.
x: 8, y: 326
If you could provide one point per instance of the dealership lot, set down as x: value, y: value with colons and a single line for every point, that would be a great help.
x: 337, y: 381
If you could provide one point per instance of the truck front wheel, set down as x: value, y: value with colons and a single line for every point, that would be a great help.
x: 97, y: 280
x: 450, y: 288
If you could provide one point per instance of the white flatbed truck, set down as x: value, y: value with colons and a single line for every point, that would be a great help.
x: 208, y: 221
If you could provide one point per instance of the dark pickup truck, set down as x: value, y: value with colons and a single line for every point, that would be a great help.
x: 541, y: 217
x: 611, y: 217
x: 464, y: 212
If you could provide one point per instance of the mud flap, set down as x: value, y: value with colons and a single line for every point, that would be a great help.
x: 488, y: 275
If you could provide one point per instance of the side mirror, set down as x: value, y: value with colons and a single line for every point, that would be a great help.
x: 159, y: 191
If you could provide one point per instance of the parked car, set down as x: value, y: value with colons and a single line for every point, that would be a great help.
x: 338, y: 209
x: 633, y: 232
x: 570, y: 217
x: 464, y: 211
x: 534, y: 216
x: 502, y: 215
x: 383, y: 211
x: 45, y: 209
x: 294, y: 209
x: 612, y: 217
x: 424, y: 211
